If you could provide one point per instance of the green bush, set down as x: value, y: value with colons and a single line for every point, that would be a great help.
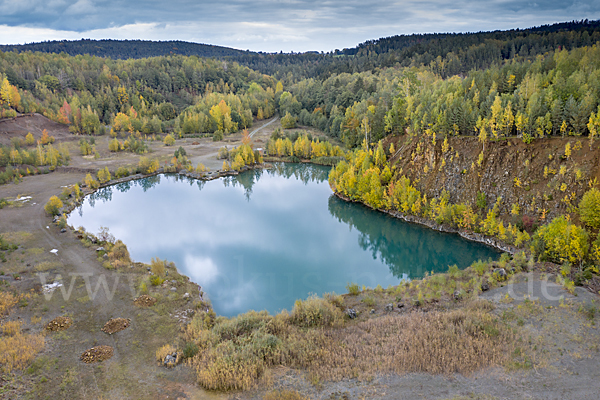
x: 288, y: 121
x: 315, y: 311
x: 217, y: 136
x: 190, y: 350
x: 53, y: 206
x: 169, y: 140
x: 156, y: 280
x: 589, y: 208
x: 561, y: 241
x: 121, y: 172
x: 369, y: 301
x: 353, y: 288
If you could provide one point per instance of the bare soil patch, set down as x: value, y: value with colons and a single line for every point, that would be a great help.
x: 36, y: 123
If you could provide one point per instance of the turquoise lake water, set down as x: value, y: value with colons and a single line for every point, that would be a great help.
x: 264, y: 238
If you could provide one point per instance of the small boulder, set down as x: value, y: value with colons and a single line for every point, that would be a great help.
x: 351, y: 313
x: 372, y: 311
x: 485, y: 287
x: 173, y: 289
x: 389, y: 307
x: 457, y: 295
x: 500, y: 272
x: 63, y: 230
x: 186, y: 295
x: 400, y: 305
x: 170, y: 360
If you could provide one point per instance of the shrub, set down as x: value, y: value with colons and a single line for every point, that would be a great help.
x: 180, y: 152
x: 7, y: 302
x: 11, y: 328
x: 315, y: 311
x: 223, y: 153
x: 169, y: 140
x: 288, y: 121
x: 236, y: 352
x: 480, y: 267
x: 561, y: 241
x: 201, y: 168
x: 104, y: 175
x: 53, y: 206
x: 121, y: 172
x: 90, y: 182
x: 158, y: 266
x: 18, y: 350
x: 353, y: 288
x: 119, y: 255
x: 156, y: 280
x: 29, y: 139
x: 217, y: 136
x: 190, y: 350
x: 114, y: 145
x: 589, y: 208
x: 145, y: 166
x: 369, y: 301
x: 164, y: 351
x: 46, y: 139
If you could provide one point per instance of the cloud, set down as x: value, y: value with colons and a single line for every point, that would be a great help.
x: 81, y: 7
x: 273, y: 25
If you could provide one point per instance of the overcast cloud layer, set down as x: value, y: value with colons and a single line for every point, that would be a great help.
x: 273, y: 25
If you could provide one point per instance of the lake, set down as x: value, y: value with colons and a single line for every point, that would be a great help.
x: 264, y: 238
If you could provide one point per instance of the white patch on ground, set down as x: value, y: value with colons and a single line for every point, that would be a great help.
x: 51, y: 287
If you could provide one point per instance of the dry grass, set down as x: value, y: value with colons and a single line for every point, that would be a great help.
x: 236, y: 353
x: 7, y: 301
x: 46, y: 266
x: 17, y: 350
x: 119, y: 255
x: 158, y: 266
x: 459, y: 341
x: 315, y: 311
x: 284, y: 395
x: 10, y: 328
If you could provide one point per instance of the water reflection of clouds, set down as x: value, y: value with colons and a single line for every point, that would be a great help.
x: 202, y: 269
x: 263, y: 240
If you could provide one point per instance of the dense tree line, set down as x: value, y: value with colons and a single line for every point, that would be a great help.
x: 554, y: 94
x: 90, y: 92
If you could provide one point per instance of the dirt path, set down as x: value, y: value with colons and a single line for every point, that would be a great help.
x: 264, y: 126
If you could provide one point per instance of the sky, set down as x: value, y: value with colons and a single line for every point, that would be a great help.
x: 274, y: 25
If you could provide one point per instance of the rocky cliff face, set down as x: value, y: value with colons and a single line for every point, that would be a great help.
x: 543, y: 179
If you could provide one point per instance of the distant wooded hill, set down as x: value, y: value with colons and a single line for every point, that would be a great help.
x: 124, y: 49
x: 460, y: 52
